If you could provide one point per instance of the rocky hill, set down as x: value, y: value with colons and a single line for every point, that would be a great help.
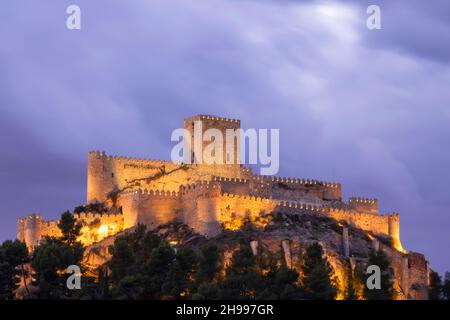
x: 285, y: 236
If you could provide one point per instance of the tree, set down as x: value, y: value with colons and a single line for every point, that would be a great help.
x: 156, y: 270
x: 179, y: 282
x: 126, y: 264
x: 242, y: 281
x: 122, y: 259
x: 70, y: 229
x: 145, y: 267
x: 254, y: 277
x: 208, y: 264
x: 317, y: 274
x: 13, y: 256
x: 206, y: 291
x: 446, y: 286
x: 50, y: 262
x: 283, y: 284
x: 386, y: 291
x: 435, y: 287
x: 53, y: 256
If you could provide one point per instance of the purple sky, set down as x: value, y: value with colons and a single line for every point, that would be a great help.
x: 369, y: 109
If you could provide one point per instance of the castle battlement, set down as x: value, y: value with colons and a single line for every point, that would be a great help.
x: 95, y: 215
x: 103, y: 155
x: 216, y: 178
x: 296, y: 181
x: 362, y: 200
x: 205, y: 197
x: 213, y: 118
x: 368, y: 205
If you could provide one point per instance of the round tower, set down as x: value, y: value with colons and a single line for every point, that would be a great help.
x: 394, y: 231
x: 100, y: 177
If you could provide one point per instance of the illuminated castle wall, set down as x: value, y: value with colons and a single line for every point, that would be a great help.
x: 208, y: 198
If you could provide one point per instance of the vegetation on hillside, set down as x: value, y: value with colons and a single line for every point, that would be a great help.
x: 146, y: 265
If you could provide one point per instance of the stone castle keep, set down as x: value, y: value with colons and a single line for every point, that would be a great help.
x: 208, y: 198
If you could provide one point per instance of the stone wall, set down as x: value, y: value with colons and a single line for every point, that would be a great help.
x: 295, y: 189
x: 364, y: 205
x: 97, y: 226
x: 151, y: 208
x: 108, y: 174
x: 200, y: 202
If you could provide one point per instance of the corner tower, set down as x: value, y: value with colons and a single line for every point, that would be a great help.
x: 100, y: 178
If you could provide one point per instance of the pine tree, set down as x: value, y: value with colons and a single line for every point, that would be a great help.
x: 156, y: 271
x: 53, y: 256
x: 242, y: 281
x: 446, y: 286
x: 317, y: 274
x: 435, y: 288
x: 13, y: 255
x: 206, y: 291
x: 128, y: 257
x: 179, y: 282
x: 208, y: 264
x: 386, y: 291
x: 122, y: 259
x: 284, y: 284
x: 50, y: 262
x: 70, y: 229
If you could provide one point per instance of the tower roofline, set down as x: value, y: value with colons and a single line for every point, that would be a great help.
x: 210, y: 117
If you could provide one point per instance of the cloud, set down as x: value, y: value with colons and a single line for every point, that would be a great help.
x: 366, y: 108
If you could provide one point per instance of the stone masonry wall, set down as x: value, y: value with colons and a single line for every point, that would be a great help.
x: 151, y: 208
x: 110, y: 173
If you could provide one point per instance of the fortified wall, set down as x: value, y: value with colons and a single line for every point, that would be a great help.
x: 32, y: 229
x: 95, y: 227
x: 207, y: 197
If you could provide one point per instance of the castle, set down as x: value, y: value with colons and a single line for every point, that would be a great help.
x: 206, y: 197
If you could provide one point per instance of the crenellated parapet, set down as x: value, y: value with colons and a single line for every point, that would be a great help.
x: 235, y: 205
x: 215, y: 118
x: 276, y: 203
x: 296, y: 181
x: 149, y: 207
x: 226, y: 179
x: 108, y: 174
x: 368, y: 205
x: 106, y: 157
x: 90, y: 216
x: 148, y: 194
x: 32, y: 229
x: 294, y: 189
x: 201, y: 189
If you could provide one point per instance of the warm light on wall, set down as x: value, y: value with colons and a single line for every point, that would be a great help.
x: 103, y: 230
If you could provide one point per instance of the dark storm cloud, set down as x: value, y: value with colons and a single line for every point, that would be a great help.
x: 365, y: 108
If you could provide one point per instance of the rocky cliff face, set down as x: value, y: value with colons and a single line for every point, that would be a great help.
x: 286, y: 236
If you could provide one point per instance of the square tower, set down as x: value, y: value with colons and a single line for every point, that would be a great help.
x: 212, y: 140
